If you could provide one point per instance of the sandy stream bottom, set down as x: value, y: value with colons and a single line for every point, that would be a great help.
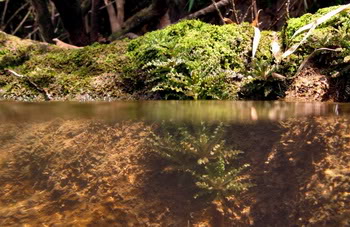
x: 93, y: 173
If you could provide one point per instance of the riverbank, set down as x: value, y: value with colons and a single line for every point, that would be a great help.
x: 188, y: 60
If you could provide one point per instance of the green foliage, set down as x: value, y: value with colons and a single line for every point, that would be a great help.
x: 190, y: 4
x: 200, y: 84
x: 65, y: 74
x: 195, y: 60
x: 333, y: 34
x: 336, y: 22
x: 84, y: 62
x: 204, y: 155
x: 192, y: 59
x: 188, y: 60
x: 14, y: 53
x: 70, y: 72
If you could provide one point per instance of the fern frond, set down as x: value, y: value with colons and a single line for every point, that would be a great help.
x: 205, y: 156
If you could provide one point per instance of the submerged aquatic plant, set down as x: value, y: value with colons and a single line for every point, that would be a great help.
x: 203, y: 154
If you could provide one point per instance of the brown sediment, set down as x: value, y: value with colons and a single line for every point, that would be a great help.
x: 309, y: 85
x: 84, y: 172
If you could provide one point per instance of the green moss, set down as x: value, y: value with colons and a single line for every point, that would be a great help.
x: 336, y: 21
x: 15, y: 51
x: 64, y: 74
x: 188, y: 60
x: 85, y: 62
x: 333, y: 34
x: 195, y: 60
x: 327, y: 46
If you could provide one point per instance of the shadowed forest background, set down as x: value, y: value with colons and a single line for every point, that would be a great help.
x: 83, y: 22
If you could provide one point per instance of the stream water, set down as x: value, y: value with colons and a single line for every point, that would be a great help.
x: 92, y: 164
x: 238, y: 112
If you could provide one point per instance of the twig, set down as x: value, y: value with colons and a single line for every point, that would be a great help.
x: 22, y: 22
x: 305, y: 5
x: 255, y: 8
x: 235, y: 11
x: 106, y: 5
x: 208, y: 9
x: 310, y: 56
x: 14, y: 15
x: 300, y: 6
x: 28, y: 80
x: 14, y: 73
x: 120, y: 12
x: 64, y: 45
x: 4, y: 12
x: 287, y: 9
x: 30, y: 34
x: 246, y: 13
x: 57, y: 24
x: 112, y: 15
x: 283, y: 14
x: 86, y: 7
x: 53, y: 12
x: 220, y: 15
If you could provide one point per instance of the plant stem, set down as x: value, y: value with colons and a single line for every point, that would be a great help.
x: 235, y: 11
x: 22, y: 22
x: 217, y: 9
x: 14, y: 15
x: 4, y: 12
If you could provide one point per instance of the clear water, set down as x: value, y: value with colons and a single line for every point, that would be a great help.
x: 91, y: 164
x: 244, y: 111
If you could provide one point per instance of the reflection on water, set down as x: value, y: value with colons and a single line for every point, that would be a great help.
x: 91, y: 164
x: 165, y: 110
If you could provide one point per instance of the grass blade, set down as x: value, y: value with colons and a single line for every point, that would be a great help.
x: 256, y: 40
x: 311, y: 27
x: 322, y: 19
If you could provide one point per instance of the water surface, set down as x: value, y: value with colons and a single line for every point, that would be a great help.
x: 240, y: 111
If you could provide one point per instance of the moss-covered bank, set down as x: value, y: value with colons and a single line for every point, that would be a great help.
x: 188, y: 60
x: 50, y: 72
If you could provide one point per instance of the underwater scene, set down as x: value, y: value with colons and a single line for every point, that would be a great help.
x: 174, y: 163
